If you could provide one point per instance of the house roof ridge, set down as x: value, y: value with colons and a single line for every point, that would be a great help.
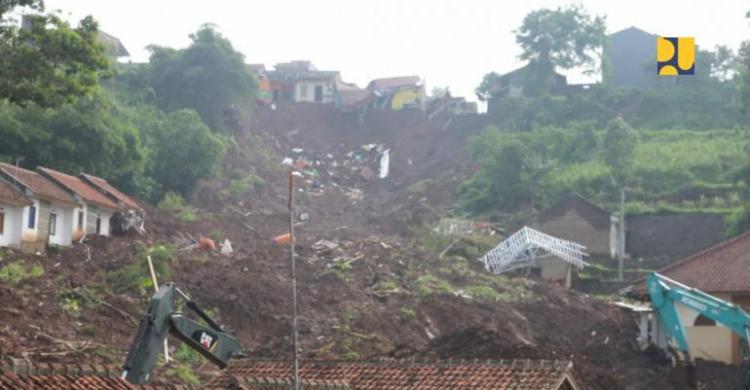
x: 427, y: 361
x: 704, y: 252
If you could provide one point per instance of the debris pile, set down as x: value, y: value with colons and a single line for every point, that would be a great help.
x: 348, y: 170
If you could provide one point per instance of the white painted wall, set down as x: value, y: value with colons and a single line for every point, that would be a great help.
x: 30, y: 234
x: 63, y: 226
x: 706, y: 342
x: 304, y: 91
x: 78, y: 233
x: 11, y: 235
x: 106, y: 218
x: 92, y: 213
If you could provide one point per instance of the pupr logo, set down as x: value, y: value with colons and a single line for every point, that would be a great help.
x: 675, y: 56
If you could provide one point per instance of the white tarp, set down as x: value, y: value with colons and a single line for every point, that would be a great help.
x: 385, y: 163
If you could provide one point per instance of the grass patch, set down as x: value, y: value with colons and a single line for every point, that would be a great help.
x: 429, y: 284
x: 135, y: 276
x: 174, y: 203
x: 18, y: 272
x: 408, y: 313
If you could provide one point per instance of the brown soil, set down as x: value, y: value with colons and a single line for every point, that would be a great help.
x: 376, y: 306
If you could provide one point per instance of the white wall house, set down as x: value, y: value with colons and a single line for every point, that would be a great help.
x: 60, y: 226
x: 12, y: 203
x: 47, y: 211
x: 98, y: 220
x: 314, y: 91
x: 96, y: 210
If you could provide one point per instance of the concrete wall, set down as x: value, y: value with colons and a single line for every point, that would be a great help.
x: 304, y: 91
x: 707, y: 342
x: 78, y: 229
x: 672, y: 236
x: 63, y: 226
x: 554, y: 268
x: 12, y: 226
x: 92, y: 214
x: 573, y: 227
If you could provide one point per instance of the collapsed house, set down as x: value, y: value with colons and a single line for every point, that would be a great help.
x: 551, y: 257
x: 130, y: 216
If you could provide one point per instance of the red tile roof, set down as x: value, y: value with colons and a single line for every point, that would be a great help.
x: 24, y: 374
x: 88, y: 193
x: 721, y: 268
x: 394, y: 82
x: 11, y: 196
x: 39, y: 185
x: 108, y: 189
x: 496, y: 375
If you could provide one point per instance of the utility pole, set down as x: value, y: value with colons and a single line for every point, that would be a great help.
x: 621, y: 240
x: 294, y: 282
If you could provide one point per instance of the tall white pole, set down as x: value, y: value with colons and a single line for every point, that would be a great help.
x: 294, y: 282
x: 621, y: 246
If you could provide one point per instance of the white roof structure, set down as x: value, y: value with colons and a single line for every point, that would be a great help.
x: 520, y: 250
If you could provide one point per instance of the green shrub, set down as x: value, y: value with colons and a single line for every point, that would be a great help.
x: 171, y: 202
x: 136, y: 276
x: 17, y: 272
x: 408, y: 313
x: 429, y: 284
x: 482, y: 292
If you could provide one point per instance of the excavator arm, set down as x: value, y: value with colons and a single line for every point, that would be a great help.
x: 161, y: 319
x: 665, y: 293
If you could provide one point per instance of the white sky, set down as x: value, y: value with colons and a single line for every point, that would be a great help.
x: 447, y: 42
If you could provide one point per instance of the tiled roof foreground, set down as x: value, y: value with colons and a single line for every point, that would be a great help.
x: 496, y: 375
x: 21, y: 374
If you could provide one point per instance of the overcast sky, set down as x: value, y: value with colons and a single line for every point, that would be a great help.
x: 447, y: 42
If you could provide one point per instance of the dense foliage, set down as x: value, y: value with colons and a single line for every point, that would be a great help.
x: 209, y: 77
x: 664, y: 170
x: 145, y: 129
x: 47, y: 62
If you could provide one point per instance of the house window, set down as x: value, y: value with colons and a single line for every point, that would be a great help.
x: 32, y: 217
x: 2, y: 222
x: 303, y: 91
x: 98, y: 224
x: 52, y: 224
x: 80, y: 220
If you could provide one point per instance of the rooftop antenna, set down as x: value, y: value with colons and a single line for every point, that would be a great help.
x: 294, y: 281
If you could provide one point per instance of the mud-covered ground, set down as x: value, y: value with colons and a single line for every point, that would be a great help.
x: 371, y: 283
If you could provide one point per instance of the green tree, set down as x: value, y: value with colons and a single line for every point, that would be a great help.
x: 93, y: 135
x: 511, y: 170
x: 48, y: 62
x: 563, y: 38
x: 183, y: 151
x: 619, y: 149
x: 209, y: 77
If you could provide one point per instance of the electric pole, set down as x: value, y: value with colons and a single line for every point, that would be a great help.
x: 621, y: 240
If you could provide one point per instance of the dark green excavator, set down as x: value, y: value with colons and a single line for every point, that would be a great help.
x: 163, y: 318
